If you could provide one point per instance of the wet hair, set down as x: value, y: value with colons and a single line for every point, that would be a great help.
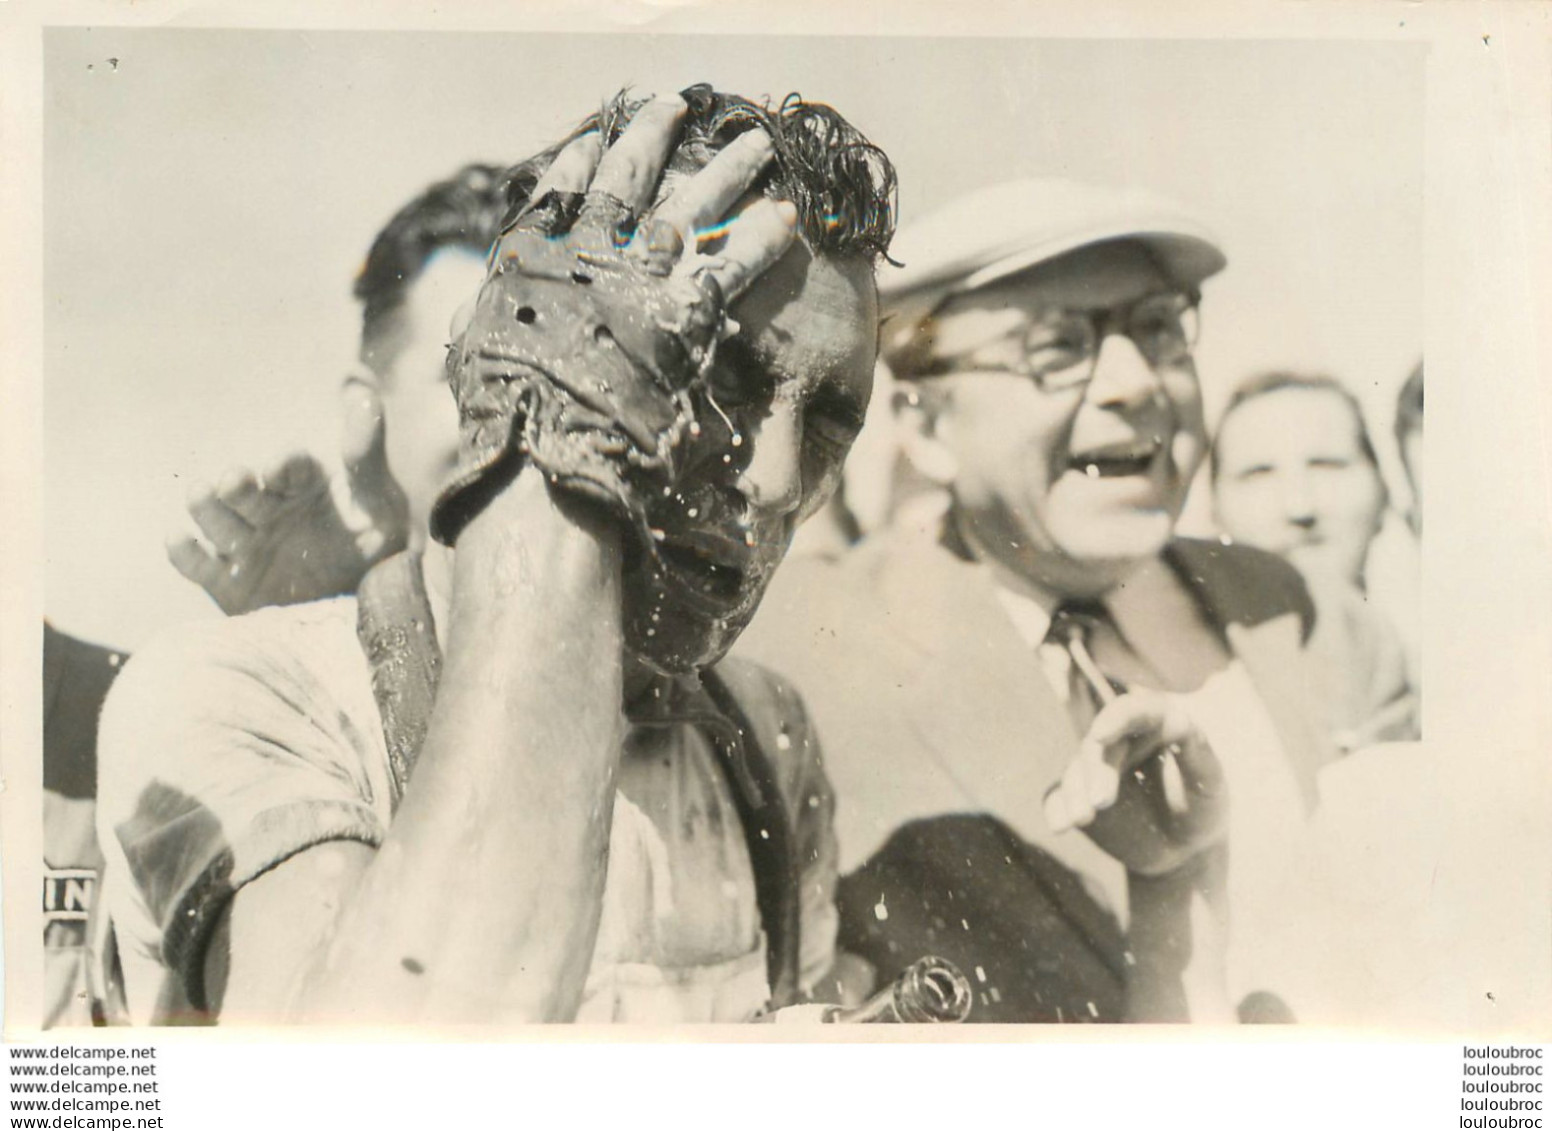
x: 464, y: 211
x: 1276, y: 381
x: 1409, y: 406
x: 843, y: 186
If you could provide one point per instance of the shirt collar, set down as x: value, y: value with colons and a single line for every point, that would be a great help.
x: 1028, y: 606
x: 1032, y: 608
x: 1030, y: 616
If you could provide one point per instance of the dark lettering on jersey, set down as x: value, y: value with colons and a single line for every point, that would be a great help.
x: 68, y: 892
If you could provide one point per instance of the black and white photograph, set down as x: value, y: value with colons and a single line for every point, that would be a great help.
x: 809, y: 530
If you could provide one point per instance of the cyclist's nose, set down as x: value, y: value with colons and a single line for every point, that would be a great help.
x: 772, y: 481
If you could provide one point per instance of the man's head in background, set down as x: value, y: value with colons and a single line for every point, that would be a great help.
x: 294, y: 533
x: 1294, y: 472
x: 1043, y: 334
x: 1409, y: 439
x: 425, y: 263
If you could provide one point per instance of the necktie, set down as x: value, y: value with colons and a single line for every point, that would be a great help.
x: 1073, y: 626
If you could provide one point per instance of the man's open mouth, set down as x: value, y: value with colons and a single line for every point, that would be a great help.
x: 1112, y: 463
x: 712, y: 569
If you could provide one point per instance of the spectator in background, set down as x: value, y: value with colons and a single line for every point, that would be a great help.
x: 1393, y: 572
x: 76, y: 678
x: 1409, y: 441
x: 1294, y: 472
x: 287, y: 536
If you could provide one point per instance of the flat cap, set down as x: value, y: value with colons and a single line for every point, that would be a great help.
x: 1000, y: 230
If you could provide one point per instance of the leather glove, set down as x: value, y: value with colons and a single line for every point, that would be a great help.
x: 580, y: 356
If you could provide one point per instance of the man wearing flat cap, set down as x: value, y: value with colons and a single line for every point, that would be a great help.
x: 1038, y: 703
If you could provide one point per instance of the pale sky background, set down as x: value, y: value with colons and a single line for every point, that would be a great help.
x: 209, y: 199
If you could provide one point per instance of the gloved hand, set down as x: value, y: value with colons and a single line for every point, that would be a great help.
x: 293, y: 533
x: 591, y: 332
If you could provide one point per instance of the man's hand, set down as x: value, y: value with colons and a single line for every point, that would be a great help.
x: 291, y: 535
x: 596, y: 324
x: 1145, y: 786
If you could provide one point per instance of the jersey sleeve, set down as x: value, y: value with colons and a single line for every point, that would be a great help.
x: 224, y: 752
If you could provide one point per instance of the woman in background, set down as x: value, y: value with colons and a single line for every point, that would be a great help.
x: 1294, y: 472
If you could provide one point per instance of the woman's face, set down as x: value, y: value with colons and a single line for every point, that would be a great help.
x: 1293, y: 478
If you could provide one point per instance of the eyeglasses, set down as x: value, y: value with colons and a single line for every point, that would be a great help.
x: 1059, y: 350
